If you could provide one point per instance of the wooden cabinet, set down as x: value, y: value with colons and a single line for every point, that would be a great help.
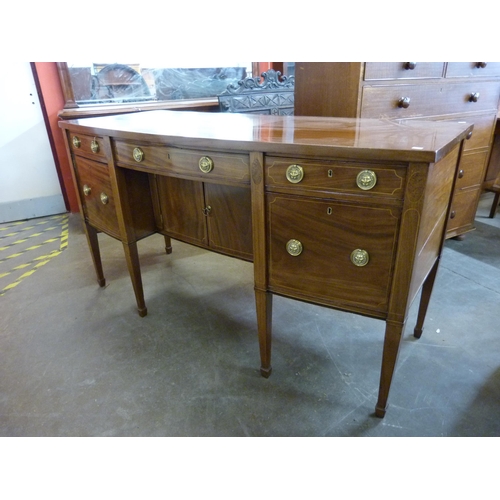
x: 345, y: 213
x: 452, y: 91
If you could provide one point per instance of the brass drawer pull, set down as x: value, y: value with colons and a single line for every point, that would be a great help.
x: 104, y: 199
x: 474, y: 97
x: 94, y: 146
x: 86, y: 190
x: 360, y: 257
x: 404, y: 102
x: 294, y: 248
x: 409, y: 65
x: 294, y: 174
x: 138, y: 154
x: 206, y: 211
x: 366, y: 180
x: 206, y: 164
x: 76, y: 142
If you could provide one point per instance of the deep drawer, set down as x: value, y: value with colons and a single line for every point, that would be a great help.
x: 96, y: 195
x: 335, y: 176
x: 313, y: 244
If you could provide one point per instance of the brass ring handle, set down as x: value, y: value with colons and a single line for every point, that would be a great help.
x: 294, y: 248
x: 94, y: 146
x: 206, y: 164
x: 138, y: 154
x: 474, y: 97
x: 294, y: 174
x: 404, y: 102
x: 409, y: 65
x: 366, y: 180
x: 76, y: 142
x: 360, y: 257
x: 104, y: 198
x: 86, y: 190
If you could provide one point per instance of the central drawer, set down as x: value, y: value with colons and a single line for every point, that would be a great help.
x: 199, y: 164
x: 336, y: 253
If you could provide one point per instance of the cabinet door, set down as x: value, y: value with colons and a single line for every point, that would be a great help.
x: 229, y: 219
x: 181, y: 205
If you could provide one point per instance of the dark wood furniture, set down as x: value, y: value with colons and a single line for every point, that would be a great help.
x: 492, y: 178
x: 460, y: 91
x: 345, y: 213
x: 272, y: 94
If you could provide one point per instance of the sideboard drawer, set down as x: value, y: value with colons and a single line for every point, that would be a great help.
x: 405, y: 101
x: 313, y: 241
x: 96, y: 195
x: 403, y: 70
x: 185, y: 162
x: 335, y: 176
x: 88, y: 145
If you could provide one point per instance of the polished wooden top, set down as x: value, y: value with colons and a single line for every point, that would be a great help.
x: 403, y: 140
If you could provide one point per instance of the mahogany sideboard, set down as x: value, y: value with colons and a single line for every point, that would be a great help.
x: 345, y: 213
x: 455, y: 91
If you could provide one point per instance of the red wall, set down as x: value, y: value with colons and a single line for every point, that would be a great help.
x: 47, y: 78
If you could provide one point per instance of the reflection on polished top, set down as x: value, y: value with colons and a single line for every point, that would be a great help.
x: 404, y: 140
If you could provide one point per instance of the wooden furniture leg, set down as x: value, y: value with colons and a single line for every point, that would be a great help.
x: 168, y: 245
x: 93, y: 242
x: 392, y: 341
x: 264, y: 306
x: 425, y: 299
x: 132, y: 258
x: 494, y: 206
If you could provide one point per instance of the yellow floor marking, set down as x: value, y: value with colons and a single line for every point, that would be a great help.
x: 41, y: 260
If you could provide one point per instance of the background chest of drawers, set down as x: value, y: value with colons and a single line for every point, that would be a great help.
x: 455, y: 91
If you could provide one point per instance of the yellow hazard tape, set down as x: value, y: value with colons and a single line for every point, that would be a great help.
x: 41, y: 260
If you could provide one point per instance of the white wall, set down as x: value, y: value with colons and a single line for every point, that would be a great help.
x: 29, y: 186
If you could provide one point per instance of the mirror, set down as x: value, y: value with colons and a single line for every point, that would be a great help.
x: 91, y: 84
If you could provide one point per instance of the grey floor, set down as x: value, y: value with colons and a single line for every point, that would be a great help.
x: 76, y: 360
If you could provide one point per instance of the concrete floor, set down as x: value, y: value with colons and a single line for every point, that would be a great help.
x: 76, y: 360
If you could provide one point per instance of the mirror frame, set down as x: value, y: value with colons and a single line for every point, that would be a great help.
x: 72, y: 110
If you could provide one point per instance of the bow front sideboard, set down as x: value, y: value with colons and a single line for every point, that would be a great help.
x: 345, y: 213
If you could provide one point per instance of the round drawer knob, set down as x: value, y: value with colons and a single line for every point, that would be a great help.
x: 76, y: 142
x: 94, y: 146
x: 404, y: 102
x: 460, y: 174
x: 138, y: 154
x: 452, y: 214
x: 294, y: 174
x: 469, y: 135
x: 474, y: 97
x: 366, y: 180
x: 206, y: 164
x: 360, y: 257
x: 104, y: 198
x: 86, y: 190
x: 294, y: 248
x: 409, y: 65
